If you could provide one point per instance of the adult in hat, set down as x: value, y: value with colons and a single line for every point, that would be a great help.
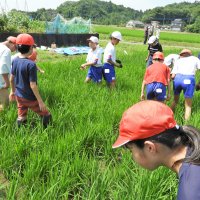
x: 93, y: 61
x: 156, y: 80
x: 6, y: 48
x: 183, y: 74
x: 24, y: 82
x: 148, y: 129
x: 153, y: 47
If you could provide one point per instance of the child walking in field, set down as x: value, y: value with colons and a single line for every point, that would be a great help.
x: 94, y: 61
x: 156, y: 79
x: 183, y: 74
x: 153, y: 47
x: 148, y: 129
x: 23, y: 82
x: 109, y: 59
x: 32, y: 57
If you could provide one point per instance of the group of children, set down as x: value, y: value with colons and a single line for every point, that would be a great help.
x: 23, y: 78
x: 179, y: 68
x: 148, y: 128
x: 98, y: 70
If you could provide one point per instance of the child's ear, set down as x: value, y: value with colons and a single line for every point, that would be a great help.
x: 150, y: 147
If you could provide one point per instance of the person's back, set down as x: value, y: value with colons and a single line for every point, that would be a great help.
x: 156, y: 80
x: 189, y: 176
x: 157, y: 72
x: 5, y: 62
x: 24, y: 83
x: 186, y: 65
x: 25, y: 71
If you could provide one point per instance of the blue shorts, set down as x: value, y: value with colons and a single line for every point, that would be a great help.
x: 185, y: 83
x: 156, y: 91
x: 109, y: 73
x: 95, y: 73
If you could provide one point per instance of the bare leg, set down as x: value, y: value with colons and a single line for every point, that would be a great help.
x: 87, y: 80
x: 112, y: 84
x: 4, y: 98
x: 188, y: 108
x: 174, y: 103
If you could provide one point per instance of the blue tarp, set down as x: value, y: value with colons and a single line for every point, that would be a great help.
x: 73, y: 50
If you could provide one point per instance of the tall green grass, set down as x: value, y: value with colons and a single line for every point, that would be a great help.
x: 73, y: 158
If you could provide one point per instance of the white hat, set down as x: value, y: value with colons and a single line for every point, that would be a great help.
x: 93, y: 39
x: 152, y: 39
x: 117, y: 35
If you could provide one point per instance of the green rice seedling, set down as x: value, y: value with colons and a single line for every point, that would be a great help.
x: 73, y: 158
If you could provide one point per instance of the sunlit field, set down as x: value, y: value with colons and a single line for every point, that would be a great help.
x: 166, y: 37
x: 73, y: 157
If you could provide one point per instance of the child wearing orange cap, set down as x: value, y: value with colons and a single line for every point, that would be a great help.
x: 183, y: 74
x: 148, y: 129
x: 32, y: 57
x: 23, y: 82
x: 156, y: 80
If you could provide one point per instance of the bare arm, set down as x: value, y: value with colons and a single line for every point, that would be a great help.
x: 168, y: 90
x: 12, y: 92
x: 84, y: 66
x: 6, y: 79
x: 35, y: 90
x: 142, y: 97
x: 148, y: 56
x: 113, y: 63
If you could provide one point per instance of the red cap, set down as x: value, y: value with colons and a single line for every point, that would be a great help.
x: 143, y: 120
x: 33, y: 56
x: 12, y: 39
x: 25, y: 39
x: 158, y: 55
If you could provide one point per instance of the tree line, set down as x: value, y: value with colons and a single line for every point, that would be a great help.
x: 101, y: 12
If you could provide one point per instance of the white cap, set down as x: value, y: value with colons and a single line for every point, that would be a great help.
x: 168, y: 61
x: 93, y: 39
x: 152, y: 39
x: 117, y: 35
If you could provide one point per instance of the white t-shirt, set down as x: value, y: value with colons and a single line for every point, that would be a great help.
x: 109, y: 53
x: 171, y: 59
x: 5, y: 63
x: 94, y: 56
x: 186, y: 65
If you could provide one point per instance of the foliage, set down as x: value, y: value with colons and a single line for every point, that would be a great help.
x: 188, y: 12
x: 98, y: 11
x: 18, y: 21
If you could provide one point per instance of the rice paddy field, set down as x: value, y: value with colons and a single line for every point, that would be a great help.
x: 73, y: 157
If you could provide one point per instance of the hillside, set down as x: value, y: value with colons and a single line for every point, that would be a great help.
x: 107, y: 13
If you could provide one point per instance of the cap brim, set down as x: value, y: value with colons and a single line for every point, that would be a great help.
x: 120, y: 142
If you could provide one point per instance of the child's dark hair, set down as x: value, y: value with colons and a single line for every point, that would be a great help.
x: 173, y: 138
x: 23, y: 49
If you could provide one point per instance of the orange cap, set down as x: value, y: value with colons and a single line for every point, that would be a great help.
x: 143, y: 120
x: 158, y: 55
x: 25, y: 39
x: 33, y: 56
x: 12, y: 39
